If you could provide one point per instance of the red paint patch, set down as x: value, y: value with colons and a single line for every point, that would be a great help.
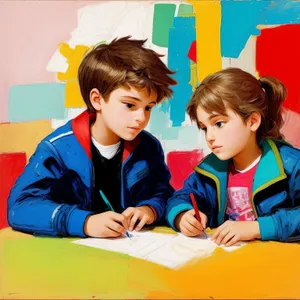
x: 192, y: 54
x: 181, y: 165
x: 11, y: 166
x: 277, y: 54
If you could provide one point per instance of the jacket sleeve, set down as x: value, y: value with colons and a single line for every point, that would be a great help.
x: 161, y: 190
x: 181, y: 201
x: 30, y: 207
x: 284, y: 223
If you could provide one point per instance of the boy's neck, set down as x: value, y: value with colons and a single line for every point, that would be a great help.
x: 102, y: 134
x: 247, y: 156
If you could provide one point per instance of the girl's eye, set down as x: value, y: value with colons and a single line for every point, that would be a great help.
x: 203, y: 128
x: 220, y: 124
x: 129, y: 105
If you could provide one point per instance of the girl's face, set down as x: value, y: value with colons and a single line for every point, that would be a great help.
x: 227, y: 135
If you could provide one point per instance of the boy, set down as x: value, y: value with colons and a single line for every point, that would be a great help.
x: 103, y: 149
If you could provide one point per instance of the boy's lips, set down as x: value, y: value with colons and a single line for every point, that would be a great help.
x: 134, y: 128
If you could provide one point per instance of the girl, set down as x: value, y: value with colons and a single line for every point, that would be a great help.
x: 249, y: 186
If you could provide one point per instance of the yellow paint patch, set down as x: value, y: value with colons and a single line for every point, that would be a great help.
x: 23, y: 137
x: 73, y: 95
x: 208, y: 37
x: 193, y: 82
x: 74, y: 57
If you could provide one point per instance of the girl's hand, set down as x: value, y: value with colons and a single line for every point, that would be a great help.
x: 187, y: 223
x: 231, y: 232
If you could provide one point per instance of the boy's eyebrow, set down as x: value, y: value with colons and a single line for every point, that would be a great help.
x: 137, y: 99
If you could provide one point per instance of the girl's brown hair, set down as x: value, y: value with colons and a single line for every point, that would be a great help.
x: 240, y: 91
x: 121, y: 63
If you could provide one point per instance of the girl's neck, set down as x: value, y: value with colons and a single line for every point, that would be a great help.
x: 247, y: 156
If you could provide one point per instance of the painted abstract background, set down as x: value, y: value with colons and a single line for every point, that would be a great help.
x: 43, y: 42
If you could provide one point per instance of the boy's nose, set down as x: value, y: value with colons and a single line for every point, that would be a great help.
x: 140, y: 116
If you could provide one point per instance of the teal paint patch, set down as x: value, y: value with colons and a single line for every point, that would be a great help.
x: 36, y: 102
x: 241, y: 18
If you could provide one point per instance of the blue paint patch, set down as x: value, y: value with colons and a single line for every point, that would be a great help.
x: 36, y: 102
x: 180, y: 38
x: 241, y: 18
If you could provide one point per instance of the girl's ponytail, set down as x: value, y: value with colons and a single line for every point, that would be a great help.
x: 275, y: 92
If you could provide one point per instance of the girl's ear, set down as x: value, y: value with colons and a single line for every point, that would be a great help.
x: 254, y: 121
x: 96, y: 99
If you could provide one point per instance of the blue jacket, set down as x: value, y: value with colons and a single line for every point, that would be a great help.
x: 275, y: 193
x: 54, y: 194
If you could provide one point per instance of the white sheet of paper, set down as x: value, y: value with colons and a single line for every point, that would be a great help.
x: 170, y: 250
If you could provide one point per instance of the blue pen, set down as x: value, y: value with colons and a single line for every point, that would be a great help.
x: 110, y: 207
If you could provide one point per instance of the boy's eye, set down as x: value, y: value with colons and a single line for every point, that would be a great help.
x: 129, y: 105
x: 149, y: 108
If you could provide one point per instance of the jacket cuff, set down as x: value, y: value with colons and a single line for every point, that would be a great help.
x: 267, y: 228
x: 76, y: 222
x: 175, y: 211
x: 154, y: 212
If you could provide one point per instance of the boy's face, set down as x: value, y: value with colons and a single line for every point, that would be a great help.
x: 226, y: 135
x: 126, y: 112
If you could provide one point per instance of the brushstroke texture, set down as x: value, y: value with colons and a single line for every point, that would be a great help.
x: 208, y: 23
x: 36, y: 102
x: 11, y: 166
x: 277, y: 54
x: 241, y: 18
x: 180, y: 38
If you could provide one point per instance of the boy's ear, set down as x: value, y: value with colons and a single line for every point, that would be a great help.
x: 96, y: 99
x: 254, y: 121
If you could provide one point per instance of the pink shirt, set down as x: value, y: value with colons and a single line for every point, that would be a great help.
x: 239, y: 192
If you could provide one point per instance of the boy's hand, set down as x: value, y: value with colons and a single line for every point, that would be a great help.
x: 144, y: 214
x: 107, y: 224
x: 187, y: 223
x: 231, y: 232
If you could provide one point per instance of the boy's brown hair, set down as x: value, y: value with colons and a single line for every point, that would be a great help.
x: 240, y: 91
x: 121, y: 63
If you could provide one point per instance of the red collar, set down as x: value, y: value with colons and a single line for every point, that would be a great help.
x: 81, y: 128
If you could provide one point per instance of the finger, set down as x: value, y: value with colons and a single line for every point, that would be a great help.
x: 227, y: 237
x: 203, y: 220
x: 186, y: 231
x: 217, y: 232
x: 111, y: 233
x: 121, y: 219
x: 129, y: 212
x: 133, y: 220
x: 193, y: 221
x: 115, y: 226
x: 222, y: 234
x: 194, y: 230
x: 142, y: 222
x: 232, y: 242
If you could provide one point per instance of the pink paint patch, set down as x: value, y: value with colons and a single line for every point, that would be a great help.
x: 291, y: 127
x: 192, y: 54
x: 181, y: 164
x: 30, y: 34
x: 277, y: 54
x: 11, y: 166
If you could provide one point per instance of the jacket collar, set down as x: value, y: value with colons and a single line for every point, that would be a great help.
x: 81, y: 126
x: 216, y: 169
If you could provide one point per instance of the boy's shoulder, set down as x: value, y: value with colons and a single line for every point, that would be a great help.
x: 149, y: 141
x: 60, y: 132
